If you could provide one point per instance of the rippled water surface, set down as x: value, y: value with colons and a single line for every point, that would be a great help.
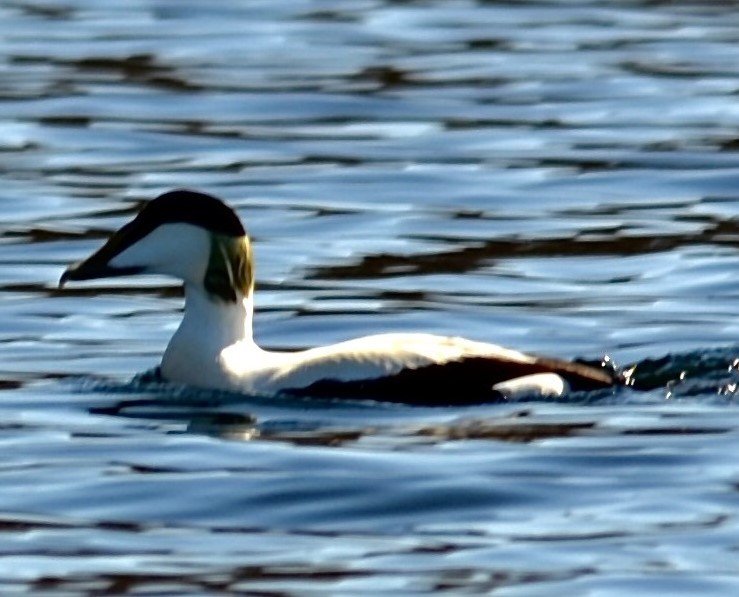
x: 560, y: 177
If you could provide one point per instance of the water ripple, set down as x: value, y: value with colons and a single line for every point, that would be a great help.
x: 559, y: 177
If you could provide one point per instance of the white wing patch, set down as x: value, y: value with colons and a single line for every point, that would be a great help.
x: 549, y: 385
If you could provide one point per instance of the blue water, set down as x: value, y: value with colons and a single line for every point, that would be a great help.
x: 559, y: 177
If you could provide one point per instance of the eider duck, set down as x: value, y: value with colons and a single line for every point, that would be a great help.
x: 198, y: 239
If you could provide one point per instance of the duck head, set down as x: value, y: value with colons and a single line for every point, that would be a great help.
x: 185, y: 234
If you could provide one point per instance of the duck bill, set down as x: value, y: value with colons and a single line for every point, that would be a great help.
x: 84, y: 270
x: 98, y: 265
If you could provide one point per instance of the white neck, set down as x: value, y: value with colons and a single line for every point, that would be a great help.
x: 208, y: 326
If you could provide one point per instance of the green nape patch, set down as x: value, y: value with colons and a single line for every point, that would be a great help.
x: 229, y: 267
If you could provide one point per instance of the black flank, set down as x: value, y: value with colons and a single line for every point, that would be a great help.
x: 456, y: 383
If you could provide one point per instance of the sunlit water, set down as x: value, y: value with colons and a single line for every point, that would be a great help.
x: 558, y: 177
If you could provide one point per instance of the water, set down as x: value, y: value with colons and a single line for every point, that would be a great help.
x: 558, y: 177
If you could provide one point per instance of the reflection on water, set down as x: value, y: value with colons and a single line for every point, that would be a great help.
x: 559, y: 177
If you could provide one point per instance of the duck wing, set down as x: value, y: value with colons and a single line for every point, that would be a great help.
x: 430, y: 370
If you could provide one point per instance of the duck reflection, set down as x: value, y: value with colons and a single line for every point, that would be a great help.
x: 192, y: 416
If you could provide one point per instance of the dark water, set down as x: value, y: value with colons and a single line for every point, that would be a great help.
x: 558, y: 177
